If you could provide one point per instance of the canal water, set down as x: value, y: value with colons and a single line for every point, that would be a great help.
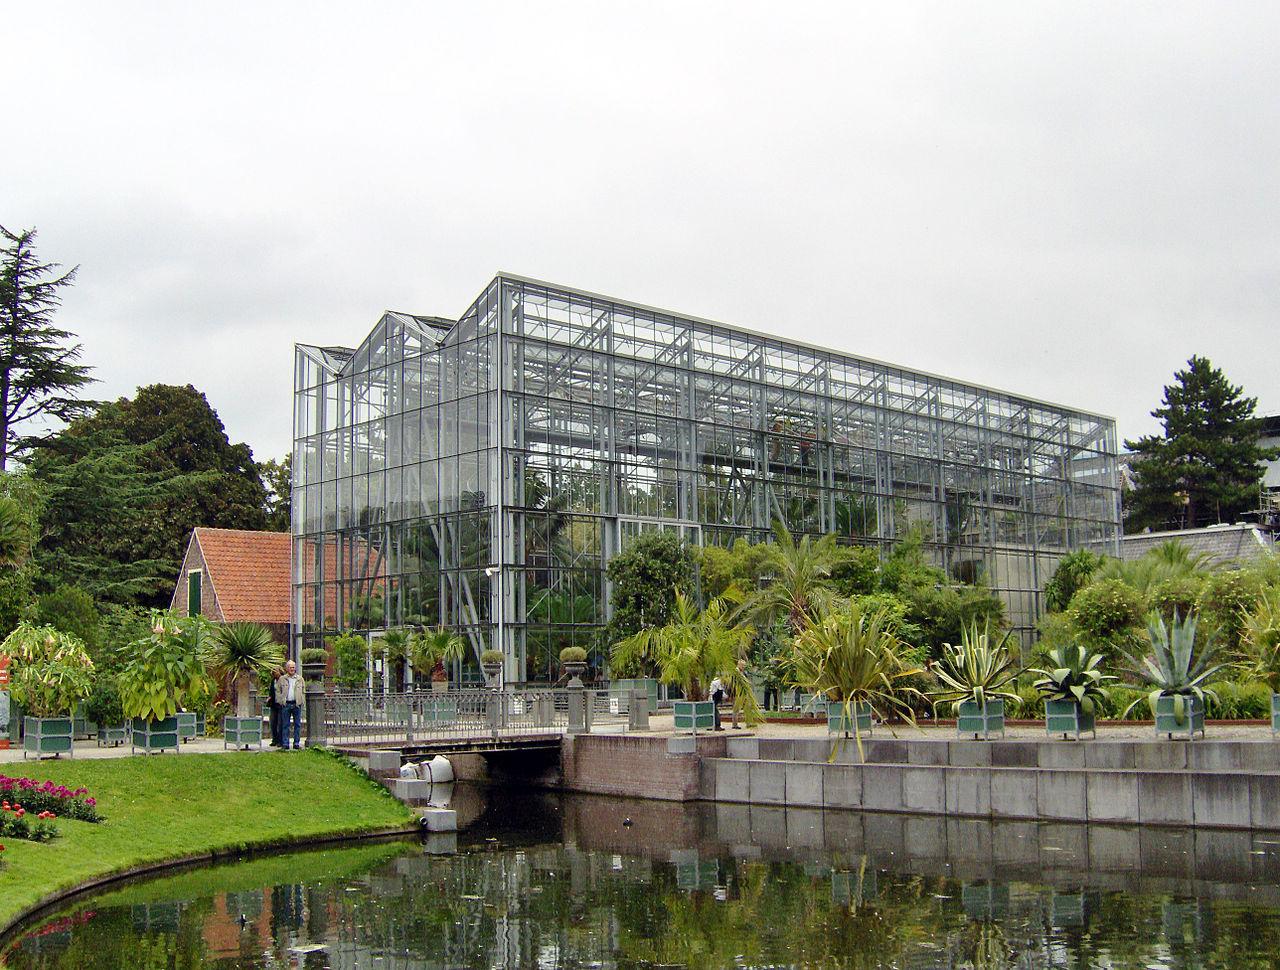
x: 541, y: 880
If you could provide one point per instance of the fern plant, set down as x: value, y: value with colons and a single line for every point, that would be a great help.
x: 979, y: 668
x: 1175, y: 665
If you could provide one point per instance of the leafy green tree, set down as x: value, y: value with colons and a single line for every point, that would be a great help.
x: 277, y: 477
x: 350, y: 654
x: 858, y: 574
x: 800, y: 588
x: 1073, y: 573
x: 24, y: 500
x: 1206, y: 466
x: 646, y: 577
x: 71, y: 610
x: 1108, y: 614
x: 127, y: 484
x: 39, y: 370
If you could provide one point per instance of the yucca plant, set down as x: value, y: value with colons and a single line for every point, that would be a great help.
x: 241, y: 653
x: 979, y: 668
x: 1174, y: 667
x: 1072, y: 675
x: 854, y: 658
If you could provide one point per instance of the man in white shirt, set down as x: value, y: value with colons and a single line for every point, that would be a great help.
x: 291, y: 692
x: 716, y: 690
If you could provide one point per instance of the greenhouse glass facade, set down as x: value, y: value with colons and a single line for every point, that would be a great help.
x: 480, y: 473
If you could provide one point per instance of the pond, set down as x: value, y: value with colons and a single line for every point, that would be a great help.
x: 562, y: 881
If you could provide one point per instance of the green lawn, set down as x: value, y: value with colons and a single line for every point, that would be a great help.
x: 168, y: 806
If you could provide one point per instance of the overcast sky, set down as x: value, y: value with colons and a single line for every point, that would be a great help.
x: 1065, y: 200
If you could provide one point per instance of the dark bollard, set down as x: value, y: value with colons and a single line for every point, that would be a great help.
x: 315, y: 715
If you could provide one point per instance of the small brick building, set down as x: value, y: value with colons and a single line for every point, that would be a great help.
x: 231, y: 575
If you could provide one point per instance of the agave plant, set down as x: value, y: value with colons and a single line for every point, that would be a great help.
x: 1174, y: 667
x: 1261, y: 639
x: 978, y: 668
x: 853, y: 657
x: 241, y: 653
x: 1072, y: 675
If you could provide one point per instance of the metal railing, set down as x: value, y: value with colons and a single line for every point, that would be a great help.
x: 424, y: 717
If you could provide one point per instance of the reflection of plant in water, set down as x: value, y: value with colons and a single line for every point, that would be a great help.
x: 984, y: 946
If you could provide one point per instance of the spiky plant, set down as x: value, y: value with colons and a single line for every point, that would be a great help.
x: 854, y: 658
x: 241, y: 653
x: 1175, y: 666
x: 1261, y: 639
x: 978, y: 668
x: 1072, y: 675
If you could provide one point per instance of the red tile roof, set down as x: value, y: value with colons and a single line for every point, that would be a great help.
x: 249, y: 572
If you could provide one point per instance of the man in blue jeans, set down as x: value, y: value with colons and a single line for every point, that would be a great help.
x: 291, y: 694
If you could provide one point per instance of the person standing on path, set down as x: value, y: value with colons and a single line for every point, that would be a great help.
x: 273, y: 711
x: 716, y: 690
x: 291, y: 693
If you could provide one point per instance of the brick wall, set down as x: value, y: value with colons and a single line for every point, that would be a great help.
x: 634, y: 766
x: 194, y: 559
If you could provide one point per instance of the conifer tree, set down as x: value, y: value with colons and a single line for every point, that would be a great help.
x: 39, y: 373
x: 1205, y: 467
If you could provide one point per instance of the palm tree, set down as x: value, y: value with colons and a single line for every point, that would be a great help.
x: 693, y: 649
x: 853, y: 657
x: 801, y: 589
x: 15, y: 537
x: 430, y: 649
x: 396, y: 645
x: 241, y: 653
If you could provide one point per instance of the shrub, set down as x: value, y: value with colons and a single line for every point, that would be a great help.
x: 1227, y: 598
x: 1108, y: 615
x: 1239, y: 700
x: 492, y: 657
x: 1176, y: 596
x: 167, y: 668
x: 45, y: 796
x: 314, y: 655
x: 51, y: 670
x: 573, y: 655
x: 1261, y: 639
x: 103, y: 706
x: 350, y: 652
x: 1073, y: 574
x: 16, y: 822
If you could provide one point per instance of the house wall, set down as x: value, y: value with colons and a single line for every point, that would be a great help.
x: 194, y: 559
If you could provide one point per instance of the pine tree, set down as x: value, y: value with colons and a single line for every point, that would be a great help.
x: 1205, y: 468
x: 39, y: 373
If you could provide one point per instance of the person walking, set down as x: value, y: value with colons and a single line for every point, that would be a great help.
x: 273, y: 710
x: 291, y: 692
x: 716, y: 690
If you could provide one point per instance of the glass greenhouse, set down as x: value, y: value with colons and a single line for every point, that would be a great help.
x: 481, y: 472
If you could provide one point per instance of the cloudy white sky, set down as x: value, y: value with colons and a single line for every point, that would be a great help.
x: 1061, y: 199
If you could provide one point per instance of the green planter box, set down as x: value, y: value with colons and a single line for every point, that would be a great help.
x: 985, y: 720
x: 438, y: 710
x: 985, y: 900
x: 149, y: 736
x: 623, y: 688
x: 1275, y: 713
x: 840, y: 722
x: 48, y: 735
x: 84, y: 728
x: 112, y: 735
x: 694, y: 715
x: 1192, y: 720
x: 191, y: 725
x: 241, y: 732
x: 1066, y: 718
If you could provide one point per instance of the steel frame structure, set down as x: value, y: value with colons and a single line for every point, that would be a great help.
x: 480, y: 473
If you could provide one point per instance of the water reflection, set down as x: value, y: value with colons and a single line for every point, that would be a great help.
x: 564, y: 882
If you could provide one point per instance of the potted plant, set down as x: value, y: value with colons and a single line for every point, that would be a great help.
x: 243, y: 653
x: 51, y: 673
x: 165, y: 670
x: 574, y: 661
x: 1260, y: 637
x: 1071, y: 686
x: 854, y: 659
x: 694, y: 648
x: 1176, y: 669
x: 430, y: 650
x: 314, y: 660
x: 103, y: 709
x: 491, y: 663
x: 395, y: 649
x: 975, y: 675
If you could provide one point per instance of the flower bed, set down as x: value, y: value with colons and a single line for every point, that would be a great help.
x: 45, y: 796
x: 17, y: 823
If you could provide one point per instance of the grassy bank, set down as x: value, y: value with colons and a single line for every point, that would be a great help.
x: 167, y: 807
